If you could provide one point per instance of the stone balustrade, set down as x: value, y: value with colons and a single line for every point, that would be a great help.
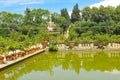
x: 113, y: 45
x: 89, y: 46
x: 85, y: 45
x: 62, y: 46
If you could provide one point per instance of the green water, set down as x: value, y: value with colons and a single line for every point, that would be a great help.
x: 66, y: 65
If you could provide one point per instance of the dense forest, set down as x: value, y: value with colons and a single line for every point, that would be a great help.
x: 19, y: 31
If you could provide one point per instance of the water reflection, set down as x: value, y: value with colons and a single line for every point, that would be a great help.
x: 57, y: 63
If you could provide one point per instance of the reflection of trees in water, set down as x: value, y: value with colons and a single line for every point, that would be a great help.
x: 76, y: 66
x: 71, y: 60
x: 102, y: 62
x: 65, y: 64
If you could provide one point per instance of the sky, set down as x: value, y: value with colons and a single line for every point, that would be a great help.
x: 19, y: 6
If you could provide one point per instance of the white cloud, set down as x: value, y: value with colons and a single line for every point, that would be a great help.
x: 20, y: 2
x: 32, y: 2
x: 10, y: 2
x: 106, y: 3
x: 70, y: 12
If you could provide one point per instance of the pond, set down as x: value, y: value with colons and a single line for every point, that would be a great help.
x: 66, y: 65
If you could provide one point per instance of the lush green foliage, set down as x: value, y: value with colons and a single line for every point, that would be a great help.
x: 53, y: 47
x: 65, y: 14
x: 75, y: 16
x: 20, y: 32
x: 97, y: 24
x: 89, y: 24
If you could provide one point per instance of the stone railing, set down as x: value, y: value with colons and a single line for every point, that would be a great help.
x: 85, y: 45
x: 113, y: 45
x: 62, y: 46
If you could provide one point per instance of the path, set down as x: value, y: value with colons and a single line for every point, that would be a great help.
x: 67, y: 32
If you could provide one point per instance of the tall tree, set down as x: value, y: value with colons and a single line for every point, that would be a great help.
x: 6, y: 17
x: 94, y: 14
x: 56, y: 17
x: 64, y: 13
x: 28, y: 17
x: 18, y: 18
x: 75, y: 16
x: 39, y: 16
x: 86, y: 14
x: 117, y: 13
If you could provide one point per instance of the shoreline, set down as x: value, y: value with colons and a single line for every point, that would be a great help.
x: 90, y: 49
x: 10, y: 63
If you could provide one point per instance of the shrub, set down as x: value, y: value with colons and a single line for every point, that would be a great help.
x: 53, y: 47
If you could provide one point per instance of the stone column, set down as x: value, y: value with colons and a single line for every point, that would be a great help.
x: 118, y: 45
x: 82, y: 46
x: 115, y: 45
x: 87, y: 45
x: 91, y: 45
x: 109, y: 45
x: 79, y: 45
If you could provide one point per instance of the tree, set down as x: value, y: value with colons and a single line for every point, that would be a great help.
x: 18, y: 19
x: 73, y: 35
x: 28, y: 18
x: 64, y: 13
x: 6, y: 17
x: 56, y: 17
x: 75, y: 16
x: 94, y: 14
x: 117, y: 29
x: 63, y: 24
x: 117, y: 13
x: 38, y: 16
x: 86, y: 14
